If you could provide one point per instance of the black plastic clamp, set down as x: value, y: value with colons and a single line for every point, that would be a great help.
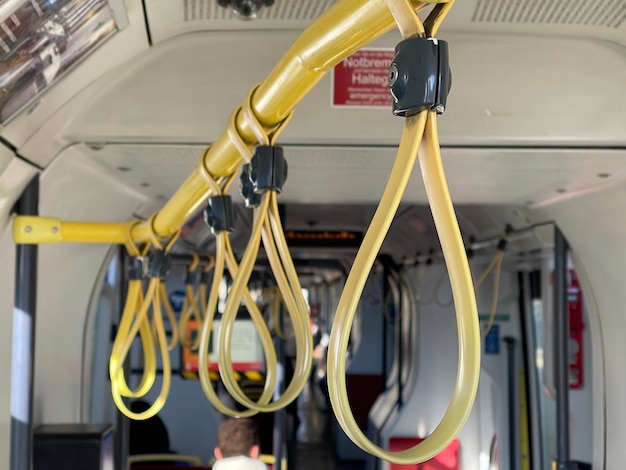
x: 502, y: 244
x: 219, y: 214
x: 159, y: 264
x: 268, y: 169
x: 246, y: 188
x: 190, y: 277
x: 137, y: 267
x: 420, y: 76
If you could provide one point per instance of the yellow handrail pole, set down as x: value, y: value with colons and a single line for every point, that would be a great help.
x: 34, y: 230
x: 341, y: 31
x: 338, y: 33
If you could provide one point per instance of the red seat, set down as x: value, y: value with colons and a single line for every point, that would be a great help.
x: 448, y: 459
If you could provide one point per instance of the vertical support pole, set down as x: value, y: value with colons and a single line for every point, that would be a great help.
x: 562, y: 353
x: 122, y: 425
x: 400, y: 341
x: 512, y: 393
x: 529, y: 343
x: 280, y: 415
x: 384, y: 321
x: 23, y: 341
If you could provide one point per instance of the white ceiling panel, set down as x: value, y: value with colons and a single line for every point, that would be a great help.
x: 529, y: 177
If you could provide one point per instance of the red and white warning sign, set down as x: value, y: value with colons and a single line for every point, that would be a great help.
x: 361, y: 79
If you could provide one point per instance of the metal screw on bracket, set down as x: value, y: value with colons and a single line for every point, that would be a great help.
x: 440, y: 109
x: 393, y: 75
x: 54, y: 229
x: 28, y: 229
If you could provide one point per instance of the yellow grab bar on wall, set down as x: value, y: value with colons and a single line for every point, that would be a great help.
x: 32, y: 230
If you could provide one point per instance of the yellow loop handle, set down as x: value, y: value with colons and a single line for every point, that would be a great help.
x: 202, y: 294
x: 275, y: 304
x: 264, y: 137
x: 235, y: 137
x: 468, y: 372
x: 210, y: 265
x: 467, y: 316
x: 131, y: 248
x: 189, y: 308
x: 207, y: 327
x: 223, y: 253
x: 116, y: 368
x: 436, y: 17
x: 134, y: 302
x: 154, y: 238
x: 167, y: 371
x: 206, y: 174
x: 162, y: 300
x: 497, y: 264
x: 406, y: 18
x: 296, y: 307
x: 248, y: 114
x: 195, y: 261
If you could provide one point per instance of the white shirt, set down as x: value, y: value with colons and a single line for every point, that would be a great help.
x: 240, y: 462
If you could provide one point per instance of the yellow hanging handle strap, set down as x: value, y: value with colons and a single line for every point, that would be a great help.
x: 223, y: 255
x: 296, y: 308
x: 266, y: 226
x: 423, y: 124
x: 135, y: 320
x: 202, y: 289
x: 161, y: 298
x: 165, y: 358
x: 495, y: 264
x: 276, y: 300
x: 133, y: 305
x: 190, y: 310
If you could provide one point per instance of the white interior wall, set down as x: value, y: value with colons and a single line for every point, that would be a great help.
x: 436, y: 365
x: 594, y: 225
x: 367, y: 349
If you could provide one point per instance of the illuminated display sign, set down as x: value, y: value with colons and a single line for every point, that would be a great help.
x: 40, y: 40
x: 326, y: 238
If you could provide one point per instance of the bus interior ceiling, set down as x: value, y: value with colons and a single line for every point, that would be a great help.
x: 533, y: 132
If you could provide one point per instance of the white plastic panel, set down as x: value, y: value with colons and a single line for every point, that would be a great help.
x: 321, y: 175
x: 168, y: 18
x: 591, y: 18
x: 510, y: 91
x: 594, y: 227
x: 604, y: 19
x: 72, y: 189
x: 14, y: 176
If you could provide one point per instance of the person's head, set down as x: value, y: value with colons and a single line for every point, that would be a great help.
x: 237, y: 437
